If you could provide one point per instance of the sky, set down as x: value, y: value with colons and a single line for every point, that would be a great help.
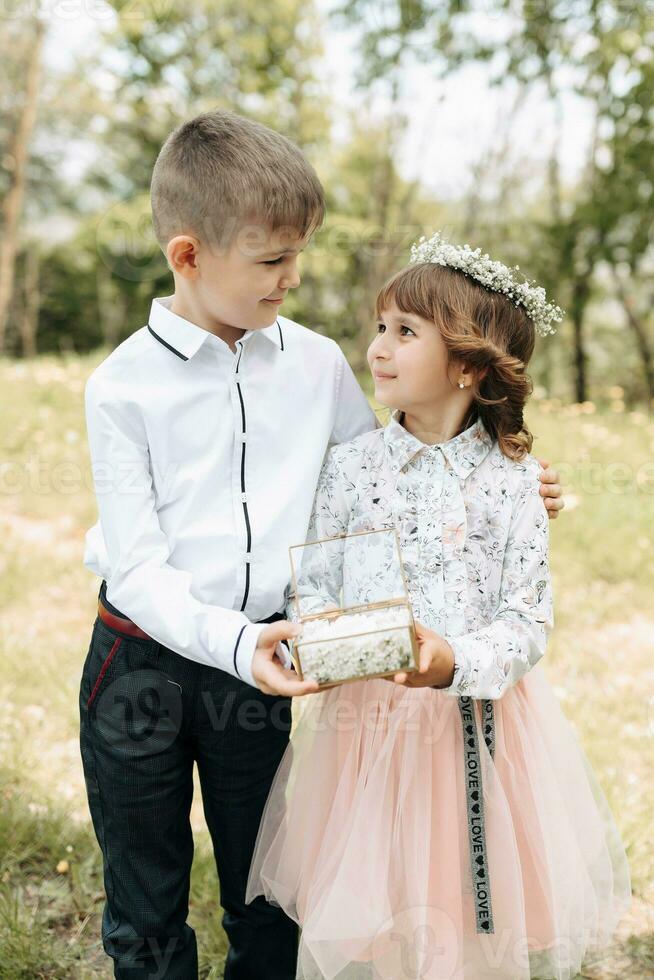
x: 452, y: 122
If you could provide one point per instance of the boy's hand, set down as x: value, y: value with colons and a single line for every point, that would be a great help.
x: 436, y: 662
x: 550, y: 490
x: 269, y: 673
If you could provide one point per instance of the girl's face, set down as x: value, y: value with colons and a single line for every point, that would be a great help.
x: 409, y: 363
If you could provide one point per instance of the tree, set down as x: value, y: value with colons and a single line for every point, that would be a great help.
x: 373, y: 215
x: 114, y: 106
x: 176, y: 60
x: 16, y: 156
x: 609, y: 46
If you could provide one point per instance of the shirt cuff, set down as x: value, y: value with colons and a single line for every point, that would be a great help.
x: 460, y: 680
x: 244, y: 648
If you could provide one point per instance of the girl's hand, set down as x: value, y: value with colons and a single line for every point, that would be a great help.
x: 436, y: 662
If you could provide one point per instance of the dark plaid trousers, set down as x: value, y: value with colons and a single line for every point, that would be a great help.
x: 147, y: 715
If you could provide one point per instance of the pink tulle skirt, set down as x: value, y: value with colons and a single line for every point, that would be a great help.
x: 366, y: 840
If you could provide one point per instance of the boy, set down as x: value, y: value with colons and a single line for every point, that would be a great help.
x: 207, y: 431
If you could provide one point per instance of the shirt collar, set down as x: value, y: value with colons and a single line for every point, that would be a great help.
x: 464, y: 451
x: 184, y: 338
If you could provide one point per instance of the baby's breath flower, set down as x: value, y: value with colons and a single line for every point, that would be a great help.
x: 493, y: 275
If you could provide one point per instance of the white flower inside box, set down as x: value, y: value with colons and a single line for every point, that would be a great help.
x: 351, y: 598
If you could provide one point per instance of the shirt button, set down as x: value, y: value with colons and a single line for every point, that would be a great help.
x: 247, y: 556
x: 244, y: 498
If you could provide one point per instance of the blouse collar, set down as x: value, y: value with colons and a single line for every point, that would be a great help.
x: 464, y: 451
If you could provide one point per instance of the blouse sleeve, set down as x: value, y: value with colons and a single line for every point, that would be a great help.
x: 319, y: 567
x: 490, y: 660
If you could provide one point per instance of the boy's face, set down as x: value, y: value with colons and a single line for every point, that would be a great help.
x: 244, y: 285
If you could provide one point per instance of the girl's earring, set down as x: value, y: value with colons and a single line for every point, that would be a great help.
x: 462, y: 384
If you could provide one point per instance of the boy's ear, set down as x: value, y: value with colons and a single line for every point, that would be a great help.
x: 182, y: 255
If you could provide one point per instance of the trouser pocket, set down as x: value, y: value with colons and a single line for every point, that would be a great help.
x: 106, y: 663
x: 100, y: 664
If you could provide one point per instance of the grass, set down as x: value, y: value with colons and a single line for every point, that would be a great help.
x: 51, y: 894
x: 599, y: 662
x: 44, y: 911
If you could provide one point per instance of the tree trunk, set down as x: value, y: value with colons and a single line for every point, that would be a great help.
x: 111, y: 307
x: 18, y: 156
x: 30, y: 319
x: 640, y: 333
x: 374, y: 252
x: 580, y: 293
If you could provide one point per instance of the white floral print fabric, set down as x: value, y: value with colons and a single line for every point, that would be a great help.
x: 474, y: 539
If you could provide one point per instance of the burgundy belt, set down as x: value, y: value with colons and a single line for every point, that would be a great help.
x: 120, y: 623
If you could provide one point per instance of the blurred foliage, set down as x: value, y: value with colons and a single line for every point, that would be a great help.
x: 603, y: 228
x: 103, y: 116
x: 178, y: 59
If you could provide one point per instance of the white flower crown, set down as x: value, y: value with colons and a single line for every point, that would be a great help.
x: 493, y: 275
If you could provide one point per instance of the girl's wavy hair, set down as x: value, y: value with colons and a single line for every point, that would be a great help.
x: 481, y: 329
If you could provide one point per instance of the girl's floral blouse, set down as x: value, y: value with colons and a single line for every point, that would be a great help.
x: 474, y: 537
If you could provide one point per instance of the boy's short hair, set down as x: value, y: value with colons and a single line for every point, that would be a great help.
x: 220, y: 170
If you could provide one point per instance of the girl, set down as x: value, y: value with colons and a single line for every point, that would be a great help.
x: 445, y: 823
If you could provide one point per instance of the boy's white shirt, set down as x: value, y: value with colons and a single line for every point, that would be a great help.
x: 194, y: 460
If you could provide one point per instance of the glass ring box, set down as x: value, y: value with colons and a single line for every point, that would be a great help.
x: 351, y: 599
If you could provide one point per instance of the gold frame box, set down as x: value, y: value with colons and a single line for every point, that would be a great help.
x: 344, y: 640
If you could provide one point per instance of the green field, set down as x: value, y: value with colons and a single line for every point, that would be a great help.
x: 600, y: 662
